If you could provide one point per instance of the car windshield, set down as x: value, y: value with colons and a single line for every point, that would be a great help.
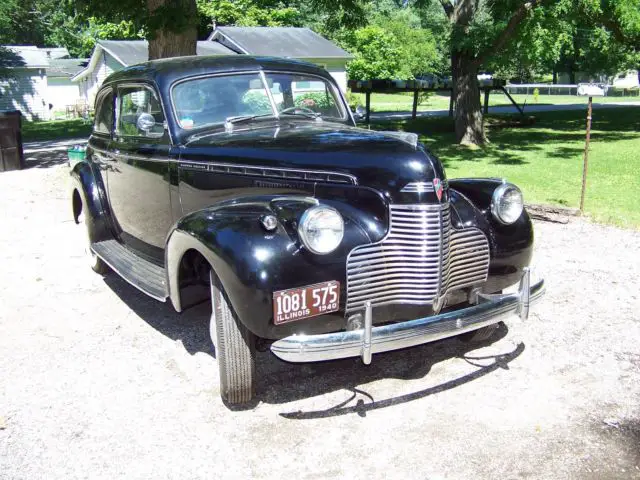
x: 212, y: 100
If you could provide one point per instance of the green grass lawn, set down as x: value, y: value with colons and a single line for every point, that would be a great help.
x: 545, y: 159
x: 54, y: 130
x: 394, y: 102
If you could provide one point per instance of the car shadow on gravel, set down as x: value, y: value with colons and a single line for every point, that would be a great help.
x: 281, y: 382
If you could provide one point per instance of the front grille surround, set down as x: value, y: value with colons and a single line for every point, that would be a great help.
x: 419, y: 261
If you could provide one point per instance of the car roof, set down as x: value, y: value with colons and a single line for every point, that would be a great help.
x: 166, y: 71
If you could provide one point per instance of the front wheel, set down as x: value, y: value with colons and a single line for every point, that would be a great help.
x: 235, y: 349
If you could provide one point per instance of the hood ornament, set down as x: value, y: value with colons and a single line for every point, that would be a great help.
x: 438, y: 188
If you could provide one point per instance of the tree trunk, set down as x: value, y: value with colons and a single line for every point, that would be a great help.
x: 176, y: 32
x: 469, y: 125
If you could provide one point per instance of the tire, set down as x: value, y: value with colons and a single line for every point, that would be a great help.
x: 481, y: 335
x: 235, y: 349
x: 95, y: 262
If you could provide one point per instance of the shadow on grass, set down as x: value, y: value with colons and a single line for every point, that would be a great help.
x: 509, y: 134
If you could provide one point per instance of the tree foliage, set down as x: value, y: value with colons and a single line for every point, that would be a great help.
x: 377, y: 54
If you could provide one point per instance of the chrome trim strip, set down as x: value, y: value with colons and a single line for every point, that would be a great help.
x: 355, y: 343
x: 422, y: 187
x: 272, y: 101
x: 272, y: 172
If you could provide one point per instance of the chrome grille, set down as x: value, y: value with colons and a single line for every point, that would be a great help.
x: 421, y: 259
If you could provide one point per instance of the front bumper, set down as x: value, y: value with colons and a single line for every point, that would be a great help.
x: 363, y: 343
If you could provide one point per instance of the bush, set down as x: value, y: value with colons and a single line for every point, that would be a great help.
x: 257, y: 101
x: 320, y: 101
x: 353, y: 100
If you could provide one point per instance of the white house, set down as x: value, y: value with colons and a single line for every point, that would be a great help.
x: 25, y: 89
x: 39, y: 80
x: 298, y: 43
x: 113, y: 55
x: 61, y: 91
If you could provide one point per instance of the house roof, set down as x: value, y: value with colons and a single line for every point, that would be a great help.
x: 132, y: 52
x: 24, y: 57
x: 66, y: 67
x: 289, y: 42
x: 56, y: 52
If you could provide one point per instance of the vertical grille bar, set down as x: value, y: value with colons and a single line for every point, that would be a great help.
x: 421, y: 258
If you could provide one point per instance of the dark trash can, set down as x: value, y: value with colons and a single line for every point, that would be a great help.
x: 11, y: 154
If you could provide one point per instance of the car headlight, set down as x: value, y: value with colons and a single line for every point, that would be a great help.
x: 507, y: 204
x: 321, y: 229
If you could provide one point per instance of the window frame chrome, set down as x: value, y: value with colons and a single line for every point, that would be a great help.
x: 99, y: 102
x: 151, y: 88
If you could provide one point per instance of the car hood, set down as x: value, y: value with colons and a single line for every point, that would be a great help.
x: 385, y: 161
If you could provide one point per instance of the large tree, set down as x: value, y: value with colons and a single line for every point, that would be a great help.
x: 478, y: 31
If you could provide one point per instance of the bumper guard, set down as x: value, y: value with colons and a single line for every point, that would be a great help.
x: 491, y: 308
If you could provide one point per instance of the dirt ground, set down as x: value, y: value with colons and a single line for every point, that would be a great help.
x: 98, y: 381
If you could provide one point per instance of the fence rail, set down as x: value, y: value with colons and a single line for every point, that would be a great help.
x: 565, y: 89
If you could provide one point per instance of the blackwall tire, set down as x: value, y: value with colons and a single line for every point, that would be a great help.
x: 235, y: 350
x: 95, y: 262
x: 483, y: 334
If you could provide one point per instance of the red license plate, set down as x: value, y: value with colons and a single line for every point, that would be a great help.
x: 304, y: 302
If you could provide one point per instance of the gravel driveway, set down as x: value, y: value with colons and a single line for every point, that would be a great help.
x: 98, y: 381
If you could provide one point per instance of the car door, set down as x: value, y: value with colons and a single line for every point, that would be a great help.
x: 138, y: 182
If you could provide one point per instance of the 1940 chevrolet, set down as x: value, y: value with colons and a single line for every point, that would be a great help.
x: 244, y: 180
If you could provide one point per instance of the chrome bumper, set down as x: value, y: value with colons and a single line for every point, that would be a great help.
x: 369, y: 340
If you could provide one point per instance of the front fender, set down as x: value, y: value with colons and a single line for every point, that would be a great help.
x: 511, y: 246
x: 91, y: 193
x: 252, y: 263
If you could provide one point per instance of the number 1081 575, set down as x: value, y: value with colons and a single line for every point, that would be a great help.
x: 304, y: 302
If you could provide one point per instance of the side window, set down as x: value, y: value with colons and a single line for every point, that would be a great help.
x: 139, y: 113
x: 104, y: 113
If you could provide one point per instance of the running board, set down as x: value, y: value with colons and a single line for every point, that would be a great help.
x: 147, y: 277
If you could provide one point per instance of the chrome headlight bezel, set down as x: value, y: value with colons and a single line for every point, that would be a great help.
x: 304, y: 232
x: 497, y: 208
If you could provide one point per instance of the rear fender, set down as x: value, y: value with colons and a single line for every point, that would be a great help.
x: 88, y: 189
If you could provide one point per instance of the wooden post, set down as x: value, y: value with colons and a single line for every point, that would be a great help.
x: 368, y: 100
x: 415, y: 104
x: 586, y: 154
x: 486, y: 100
x: 451, y: 103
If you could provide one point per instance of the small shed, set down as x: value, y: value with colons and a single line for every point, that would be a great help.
x: 23, y: 86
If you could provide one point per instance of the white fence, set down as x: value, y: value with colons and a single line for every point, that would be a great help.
x: 564, y: 89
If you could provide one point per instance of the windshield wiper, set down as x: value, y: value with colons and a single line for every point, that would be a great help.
x: 229, y: 122
x: 301, y: 111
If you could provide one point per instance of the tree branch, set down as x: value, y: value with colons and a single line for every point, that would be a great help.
x: 508, y: 32
x: 448, y: 8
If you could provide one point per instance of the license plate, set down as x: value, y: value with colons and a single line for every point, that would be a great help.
x: 304, y: 302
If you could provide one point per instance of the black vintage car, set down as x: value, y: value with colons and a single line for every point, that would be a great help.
x: 245, y: 181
